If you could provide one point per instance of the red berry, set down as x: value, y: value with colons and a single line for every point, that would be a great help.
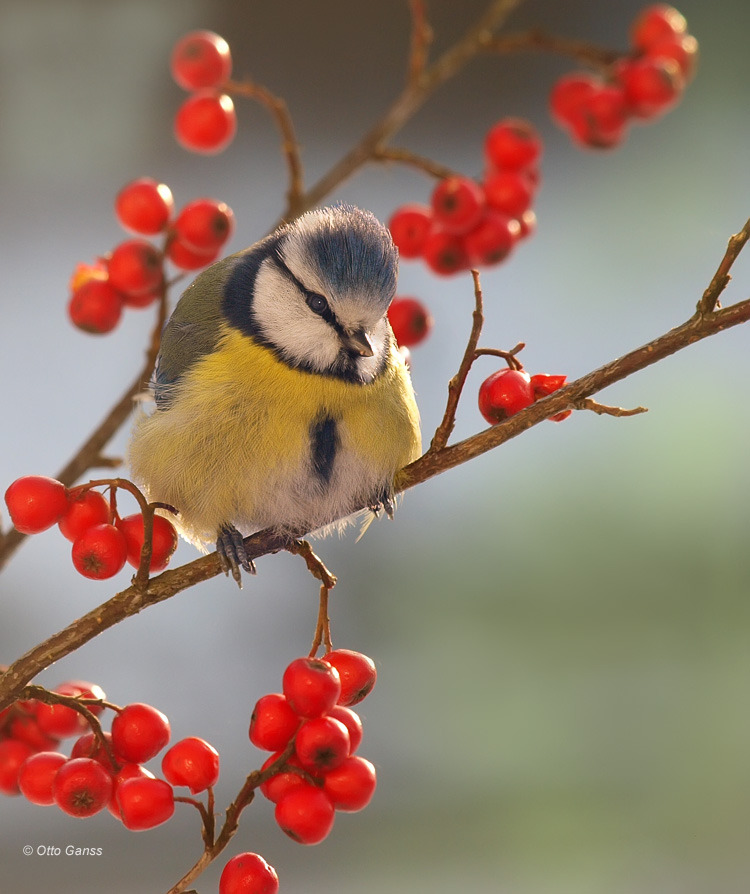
x: 206, y: 122
x: 570, y: 93
x: 411, y: 323
x: 512, y: 143
x: 600, y: 122
x: 85, y: 509
x: 273, y: 722
x: 35, y: 503
x: 186, y: 258
x: 248, y: 874
x: 357, y: 671
x: 139, y: 732
x: 280, y: 784
x: 305, y: 814
x: 504, y: 393
x: 37, y: 774
x: 351, y: 785
x: 651, y: 85
x: 163, y: 540
x: 444, y: 253
x: 126, y: 771
x: 683, y: 50
x: 457, y: 203
x: 410, y: 225
x: 509, y: 191
x: 201, y: 59
x: 95, y: 307
x: 26, y: 729
x: 543, y: 384
x: 351, y: 721
x: 61, y: 721
x: 204, y: 225
x: 191, y: 762
x: 492, y: 240
x: 82, y: 787
x: 135, y: 267
x: 144, y: 802
x: 655, y: 23
x: 88, y: 745
x: 12, y: 755
x: 84, y: 272
x: 311, y: 686
x: 321, y: 744
x: 144, y: 206
x: 100, y: 552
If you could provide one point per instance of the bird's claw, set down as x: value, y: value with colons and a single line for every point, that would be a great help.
x: 385, y: 504
x: 230, y: 546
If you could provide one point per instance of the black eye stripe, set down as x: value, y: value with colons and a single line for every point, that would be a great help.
x: 315, y: 301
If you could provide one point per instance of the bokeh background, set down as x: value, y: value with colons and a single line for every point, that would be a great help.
x: 561, y: 627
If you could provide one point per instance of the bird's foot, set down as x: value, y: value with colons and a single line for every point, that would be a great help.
x: 384, y: 504
x: 230, y: 546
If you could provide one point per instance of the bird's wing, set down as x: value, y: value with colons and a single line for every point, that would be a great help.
x: 192, y: 331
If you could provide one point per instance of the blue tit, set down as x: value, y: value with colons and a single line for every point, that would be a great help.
x: 282, y: 400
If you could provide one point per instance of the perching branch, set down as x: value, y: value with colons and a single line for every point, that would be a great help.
x: 434, y: 462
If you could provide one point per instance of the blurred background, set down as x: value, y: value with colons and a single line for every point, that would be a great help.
x: 561, y: 626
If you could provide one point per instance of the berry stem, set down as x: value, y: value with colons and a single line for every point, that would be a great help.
x: 88, y: 454
x: 289, y: 145
x: 456, y: 384
x: 537, y: 39
x: 420, y: 162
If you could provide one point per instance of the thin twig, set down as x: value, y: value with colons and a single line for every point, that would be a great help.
x: 89, y: 453
x: 421, y: 38
x: 322, y: 635
x: 436, y: 461
x: 456, y: 384
x: 710, y: 298
x: 536, y: 39
x: 605, y: 410
x: 289, y: 145
x: 420, y: 162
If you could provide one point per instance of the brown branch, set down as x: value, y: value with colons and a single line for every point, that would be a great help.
x: 421, y: 38
x: 420, y: 162
x: 456, y: 384
x: 290, y: 145
x: 412, y: 97
x: 167, y: 584
x: 710, y: 299
x: 89, y: 453
x: 536, y: 39
x: 604, y: 410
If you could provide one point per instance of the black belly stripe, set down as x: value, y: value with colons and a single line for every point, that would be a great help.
x: 324, y: 437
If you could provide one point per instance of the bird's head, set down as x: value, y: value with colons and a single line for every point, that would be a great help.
x: 317, y: 292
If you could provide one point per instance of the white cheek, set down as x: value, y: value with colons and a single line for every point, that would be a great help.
x: 286, y: 322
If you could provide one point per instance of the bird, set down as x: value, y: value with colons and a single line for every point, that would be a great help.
x: 281, y: 398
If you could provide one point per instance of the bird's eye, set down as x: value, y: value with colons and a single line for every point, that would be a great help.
x: 317, y: 303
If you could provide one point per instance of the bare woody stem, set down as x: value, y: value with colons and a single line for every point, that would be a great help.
x: 89, y: 453
x: 434, y: 462
x: 536, y: 39
x: 290, y: 145
x: 417, y: 91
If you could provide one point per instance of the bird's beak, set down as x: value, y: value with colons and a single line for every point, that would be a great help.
x: 358, y: 342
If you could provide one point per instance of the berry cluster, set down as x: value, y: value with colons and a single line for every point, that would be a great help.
x: 508, y: 391
x: 102, y: 541
x: 640, y: 86
x: 322, y: 774
x: 132, y: 274
x: 206, y: 121
x: 101, y: 771
x: 470, y: 223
